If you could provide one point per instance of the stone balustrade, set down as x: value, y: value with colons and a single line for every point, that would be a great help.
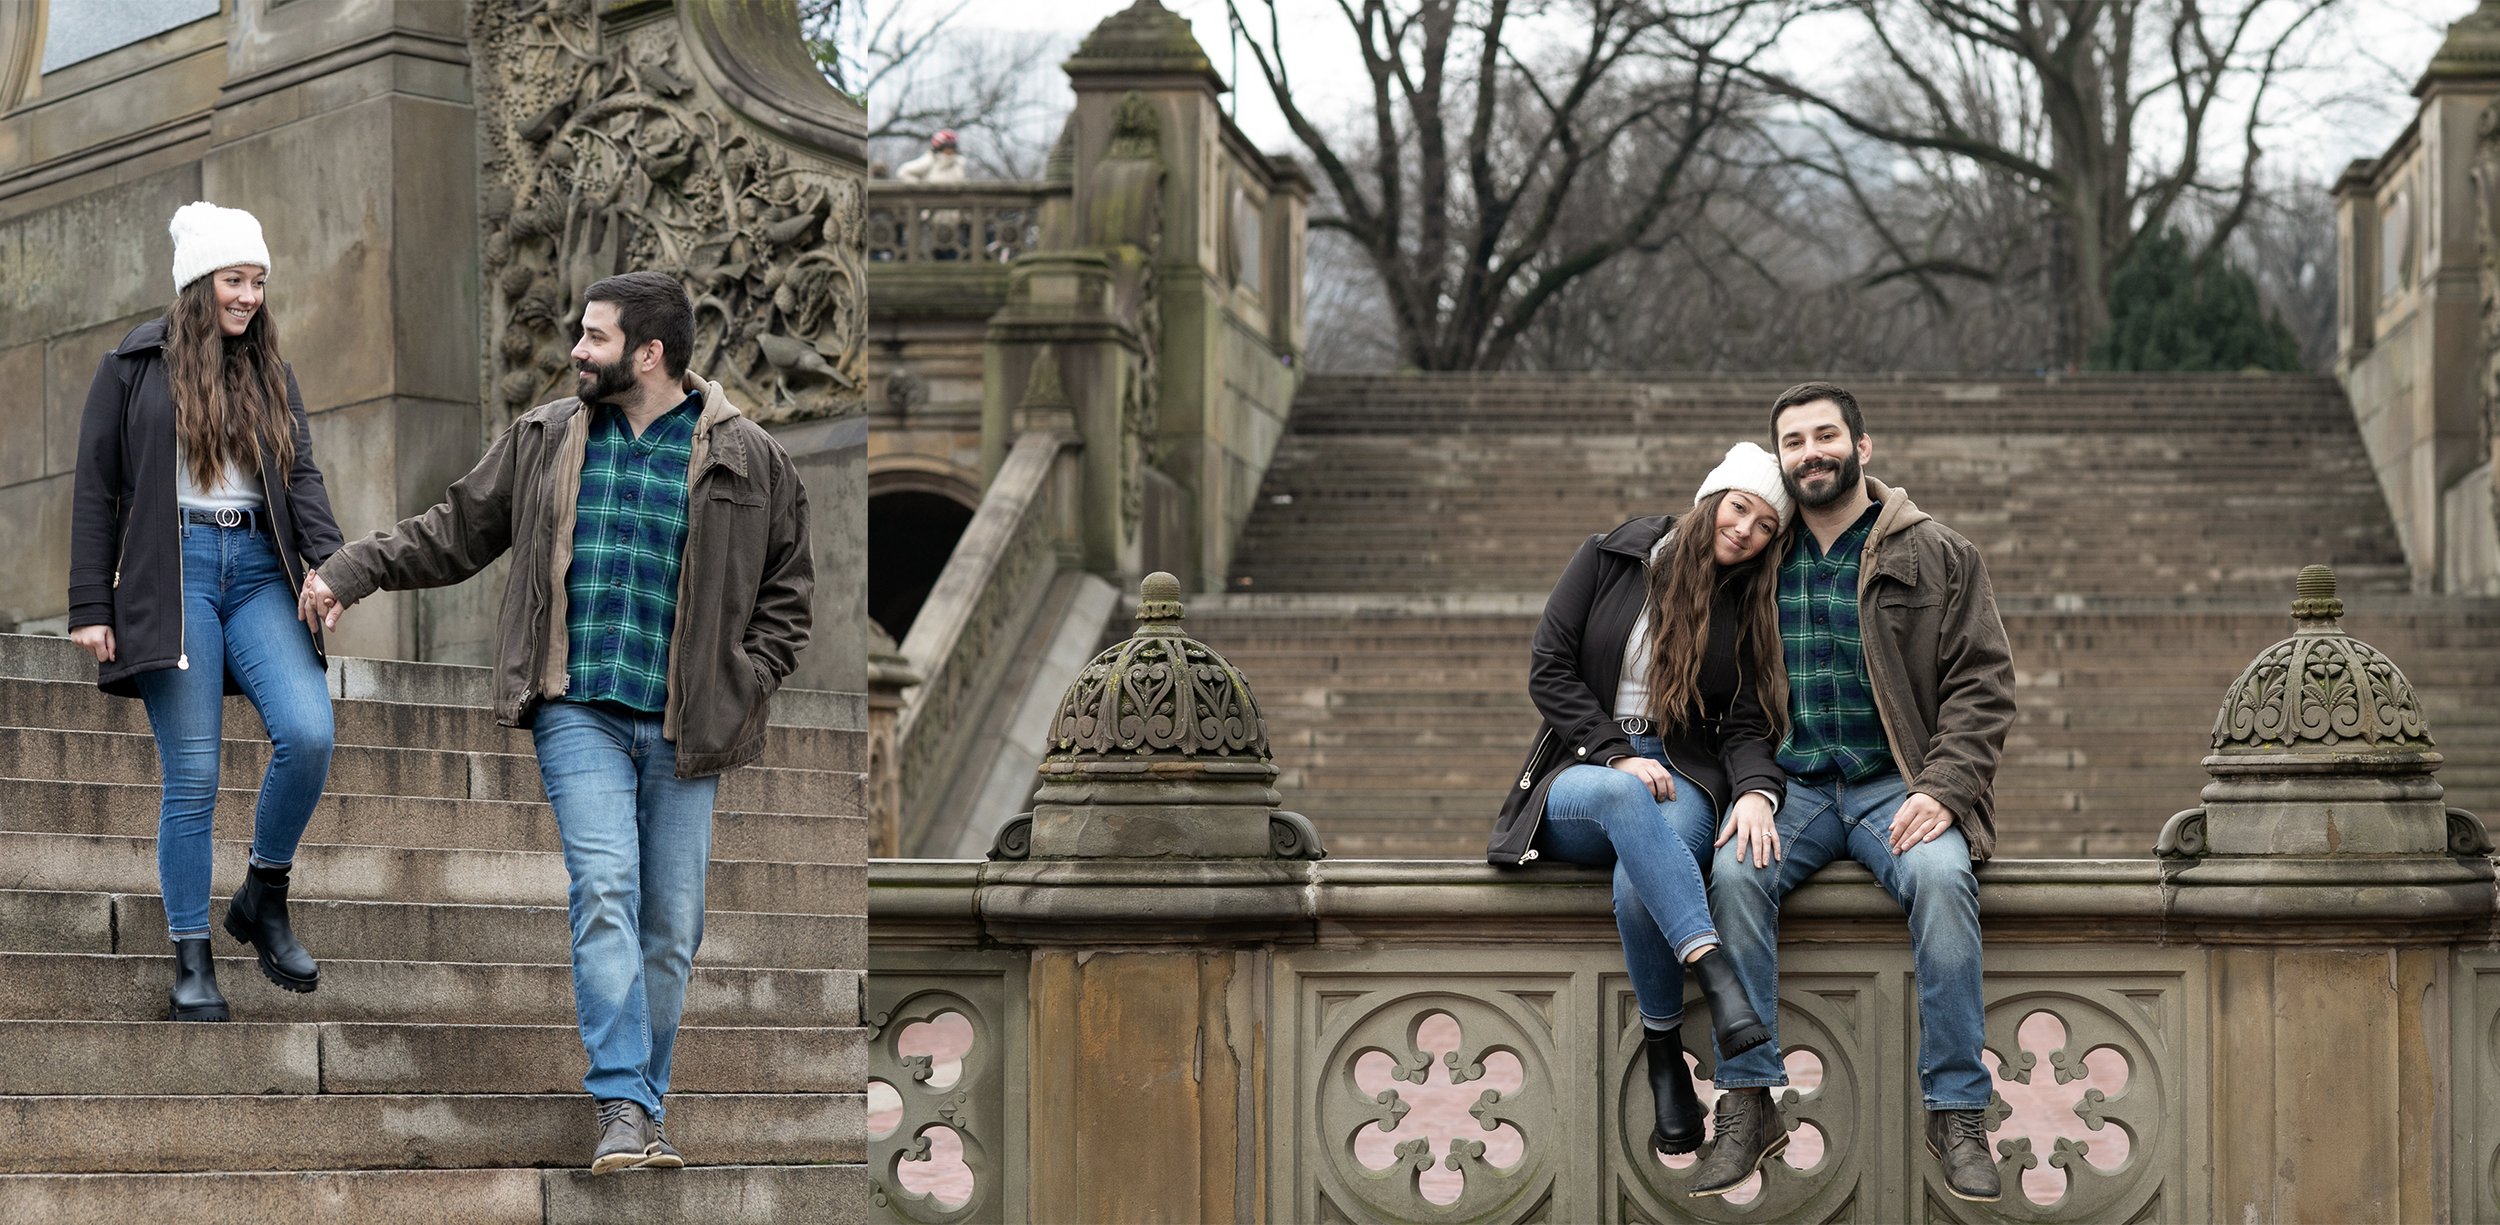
x: 1127, y: 1013
x: 918, y: 223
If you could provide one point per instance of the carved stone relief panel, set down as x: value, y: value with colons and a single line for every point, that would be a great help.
x: 1425, y: 1084
x: 946, y: 1098
x: 603, y: 150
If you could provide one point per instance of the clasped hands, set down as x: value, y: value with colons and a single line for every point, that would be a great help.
x: 317, y: 603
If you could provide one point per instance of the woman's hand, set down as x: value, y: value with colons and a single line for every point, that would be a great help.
x: 1659, y: 780
x: 1750, y: 823
x: 96, y: 640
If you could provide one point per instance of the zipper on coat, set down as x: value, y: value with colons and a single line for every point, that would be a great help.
x: 1527, y: 776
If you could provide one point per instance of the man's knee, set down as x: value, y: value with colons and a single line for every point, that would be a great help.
x: 1938, y: 871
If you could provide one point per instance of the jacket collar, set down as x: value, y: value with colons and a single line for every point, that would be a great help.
x: 1636, y: 537
x: 717, y: 411
x: 146, y: 336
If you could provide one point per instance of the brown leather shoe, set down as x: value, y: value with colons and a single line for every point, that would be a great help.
x: 1749, y: 1134
x: 1959, y: 1139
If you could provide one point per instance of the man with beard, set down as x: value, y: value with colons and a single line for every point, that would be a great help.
x: 658, y: 595
x: 1900, y: 691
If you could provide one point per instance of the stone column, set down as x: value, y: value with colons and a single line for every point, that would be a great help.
x: 889, y: 674
x: 2326, y: 877
x: 1148, y: 1047
x: 2356, y: 268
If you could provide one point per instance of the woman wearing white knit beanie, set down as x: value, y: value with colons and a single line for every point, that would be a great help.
x: 1657, y: 668
x: 198, y: 511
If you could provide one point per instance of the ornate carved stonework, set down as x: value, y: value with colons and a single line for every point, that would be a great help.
x: 1160, y: 692
x: 1128, y: 216
x: 604, y: 149
x: 2320, y: 689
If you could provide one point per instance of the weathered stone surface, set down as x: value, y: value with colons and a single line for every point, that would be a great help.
x: 22, y: 418
x: 375, y: 1197
x: 104, y: 256
x: 721, y: 1195
x: 34, y: 535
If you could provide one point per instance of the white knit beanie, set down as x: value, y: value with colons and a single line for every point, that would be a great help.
x: 207, y: 238
x: 1749, y: 468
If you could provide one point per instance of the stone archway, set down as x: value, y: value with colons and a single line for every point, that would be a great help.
x: 914, y: 519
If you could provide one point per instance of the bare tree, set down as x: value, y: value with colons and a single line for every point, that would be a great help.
x: 2122, y: 117
x: 1000, y: 91
x: 1474, y: 151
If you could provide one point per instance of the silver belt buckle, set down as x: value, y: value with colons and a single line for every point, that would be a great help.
x: 228, y: 516
x: 1635, y: 726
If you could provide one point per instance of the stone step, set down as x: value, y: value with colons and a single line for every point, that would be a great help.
x: 108, y: 864
x: 79, y: 706
x: 58, y: 921
x: 123, y: 757
x: 165, y: 1134
x: 130, y: 810
x: 713, y: 1194
x: 165, y: 1058
x: 114, y: 987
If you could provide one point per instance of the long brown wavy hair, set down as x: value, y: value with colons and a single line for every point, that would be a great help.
x: 1681, y: 584
x: 229, y: 391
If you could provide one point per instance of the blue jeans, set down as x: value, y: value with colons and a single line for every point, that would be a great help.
x: 1601, y: 816
x: 1820, y: 822
x: 637, y: 841
x: 238, y: 616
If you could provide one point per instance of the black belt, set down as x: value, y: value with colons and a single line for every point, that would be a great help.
x: 253, y: 517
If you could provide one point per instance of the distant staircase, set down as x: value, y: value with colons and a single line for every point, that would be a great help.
x: 2141, y: 532
x: 436, y: 1075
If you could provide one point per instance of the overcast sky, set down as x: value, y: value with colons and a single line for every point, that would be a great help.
x: 2352, y: 108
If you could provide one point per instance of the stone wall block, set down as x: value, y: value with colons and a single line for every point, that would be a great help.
x: 70, y: 363
x: 23, y: 413
x: 34, y: 536
x: 102, y: 256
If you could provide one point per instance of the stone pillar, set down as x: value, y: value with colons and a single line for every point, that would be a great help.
x: 2356, y: 267
x: 889, y: 674
x: 2326, y: 877
x: 1148, y: 1050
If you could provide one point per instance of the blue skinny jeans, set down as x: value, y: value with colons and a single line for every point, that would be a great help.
x: 238, y: 616
x: 1604, y: 817
x: 1823, y: 821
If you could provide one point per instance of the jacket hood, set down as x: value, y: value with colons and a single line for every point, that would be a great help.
x: 1899, y: 513
x: 149, y: 335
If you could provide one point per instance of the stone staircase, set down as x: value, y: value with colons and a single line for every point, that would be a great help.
x: 2141, y: 534
x: 435, y: 1076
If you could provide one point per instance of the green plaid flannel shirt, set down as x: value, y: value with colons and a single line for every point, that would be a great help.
x: 629, y: 541
x: 1833, y: 729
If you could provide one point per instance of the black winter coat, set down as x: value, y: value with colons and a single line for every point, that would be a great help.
x: 1576, y: 666
x: 125, y: 551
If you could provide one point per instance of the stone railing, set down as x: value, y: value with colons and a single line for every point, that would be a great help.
x: 1447, y: 1041
x: 954, y: 222
x: 2288, y: 1015
x: 974, y: 616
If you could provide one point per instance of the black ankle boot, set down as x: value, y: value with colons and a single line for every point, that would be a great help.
x: 195, y: 983
x: 1732, y: 1019
x: 1678, y: 1128
x: 257, y: 917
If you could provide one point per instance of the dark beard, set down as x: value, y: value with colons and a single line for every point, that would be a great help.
x: 602, y: 383
x: 1846, y: 480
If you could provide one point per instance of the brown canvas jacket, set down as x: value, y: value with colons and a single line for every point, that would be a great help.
x: 742, y: 593
x: 1938, y: 661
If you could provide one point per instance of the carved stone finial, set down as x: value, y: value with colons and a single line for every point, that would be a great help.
x: 1158, y: 604
x: 1158, y: 751
x: 1136, y: 129
x: 2321, y: 689
x: 2314, y: 605
x: 2320, y: 749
